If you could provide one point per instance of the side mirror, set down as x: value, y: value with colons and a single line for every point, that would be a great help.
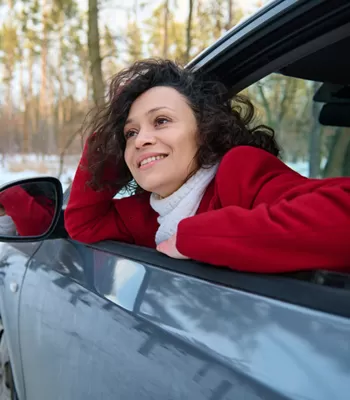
x: 29, y: 209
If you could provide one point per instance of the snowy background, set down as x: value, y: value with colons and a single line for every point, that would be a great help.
x: 20, y: 167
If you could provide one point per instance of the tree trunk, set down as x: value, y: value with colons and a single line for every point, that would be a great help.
x: 218, y: 17
x: 337, y: 161
x: 315, y: 140
x: 166, y: 18
x: 9, y: 107
x: 87, y: 81
x: 189, y: 31
x: 43, y: 106
x: 60, y: 115
x: 346, y: 161
x: 52, y: 132
x: 314, y: 152
x: 32, y: 121
x: 230, y: 15
x: 266, y: 106
x: 25, y: 139
x: 60, y: 100
x: 95, y: 54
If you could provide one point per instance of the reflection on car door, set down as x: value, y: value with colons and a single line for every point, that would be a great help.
x: 96, y: 325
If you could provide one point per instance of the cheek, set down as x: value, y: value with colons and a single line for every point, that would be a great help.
x: 185, y: 146
x: 193, y: 147
x: 127, y: 157
x: 192, y: 144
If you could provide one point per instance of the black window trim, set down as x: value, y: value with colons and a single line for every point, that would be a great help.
x: 295, y: 54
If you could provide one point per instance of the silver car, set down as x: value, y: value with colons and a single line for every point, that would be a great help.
x: 116, y: 321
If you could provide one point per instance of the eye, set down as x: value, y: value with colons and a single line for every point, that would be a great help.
x: 161, y: 121
x: 130, y: 134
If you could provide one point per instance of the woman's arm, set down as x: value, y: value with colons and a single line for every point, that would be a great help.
x: 29, y: 216
x: 294, y: 223
x: 91, y: 216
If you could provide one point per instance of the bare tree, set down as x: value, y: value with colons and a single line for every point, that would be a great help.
x: 189, y: 30
x: 95, y: 53
x: 166, y: 20
x: 338, y: 159
x: 315, y: 138
x: 230, y: 15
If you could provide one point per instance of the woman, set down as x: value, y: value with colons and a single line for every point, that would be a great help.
x: 206, y: 185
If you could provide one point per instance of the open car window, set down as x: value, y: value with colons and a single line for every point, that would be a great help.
x: 310, y: 125
x: 311, y: 121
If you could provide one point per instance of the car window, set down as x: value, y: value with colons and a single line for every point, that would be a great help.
x: 288, y: 105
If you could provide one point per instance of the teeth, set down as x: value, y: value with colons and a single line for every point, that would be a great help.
x: 150, y: 159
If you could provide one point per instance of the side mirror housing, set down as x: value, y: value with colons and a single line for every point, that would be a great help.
x: 30, y: 209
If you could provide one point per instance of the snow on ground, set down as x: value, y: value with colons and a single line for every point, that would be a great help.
x: 29, y: 166
x: 21, y: 167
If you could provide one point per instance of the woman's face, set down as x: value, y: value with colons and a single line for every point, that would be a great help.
x: 160, y: 133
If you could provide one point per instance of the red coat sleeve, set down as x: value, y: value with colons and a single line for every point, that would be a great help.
x: 30, y: 217
x: 91, y: 216
x: 272, y: 220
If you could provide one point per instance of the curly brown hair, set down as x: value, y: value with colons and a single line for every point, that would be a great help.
x: 223, y: 123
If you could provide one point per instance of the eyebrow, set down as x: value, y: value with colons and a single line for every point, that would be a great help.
x: 130, y: 120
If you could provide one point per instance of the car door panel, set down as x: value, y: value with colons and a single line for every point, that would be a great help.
x: 13, y: 261
x: 104, y: 326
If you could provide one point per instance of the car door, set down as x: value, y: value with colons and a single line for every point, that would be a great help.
x: 97, y: 322
x: 105, y: 326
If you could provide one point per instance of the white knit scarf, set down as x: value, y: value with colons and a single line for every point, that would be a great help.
x: 181, y: 204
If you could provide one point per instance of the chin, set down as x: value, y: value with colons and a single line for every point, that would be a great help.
x: 149, y: 186
x: 155, y: 183
x: 154, y: 188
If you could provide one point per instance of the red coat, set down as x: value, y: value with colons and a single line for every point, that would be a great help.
x: 256, y: 215
x: 32, y: 216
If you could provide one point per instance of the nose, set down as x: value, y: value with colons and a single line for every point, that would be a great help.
x: 144, y: 138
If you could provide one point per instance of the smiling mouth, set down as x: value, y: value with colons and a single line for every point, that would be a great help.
x: 149, y: 160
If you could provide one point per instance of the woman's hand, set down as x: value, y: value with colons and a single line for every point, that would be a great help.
x: 168, y: 247
x: 2, y: 211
